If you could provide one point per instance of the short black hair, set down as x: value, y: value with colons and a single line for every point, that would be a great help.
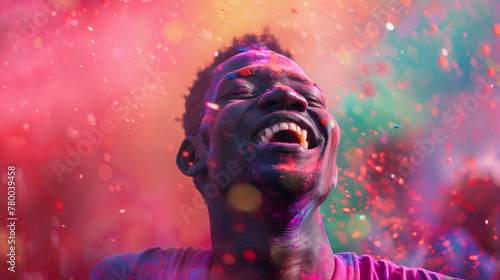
x: 195, y: 106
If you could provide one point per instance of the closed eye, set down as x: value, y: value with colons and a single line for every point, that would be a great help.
x: 240, y: 92
x: 313, y: 102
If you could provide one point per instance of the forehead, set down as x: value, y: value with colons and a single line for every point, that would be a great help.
x: 251, y: 63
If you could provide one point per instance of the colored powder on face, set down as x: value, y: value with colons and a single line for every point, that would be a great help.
x: 286, y: 167
x: 247, y: 71
x: 275, y: 72
x: 230, y: 76
x: 273, y: 60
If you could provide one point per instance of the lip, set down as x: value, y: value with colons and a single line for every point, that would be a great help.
x: 285, y: 116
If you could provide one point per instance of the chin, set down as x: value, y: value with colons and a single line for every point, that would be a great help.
x: 289, y: 180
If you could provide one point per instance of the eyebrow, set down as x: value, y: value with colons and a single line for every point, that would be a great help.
x: 253, y: 70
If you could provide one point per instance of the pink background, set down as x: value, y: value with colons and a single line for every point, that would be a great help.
x: 66, y: 69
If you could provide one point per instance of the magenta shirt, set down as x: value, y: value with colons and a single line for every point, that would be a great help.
x: 193, y: 264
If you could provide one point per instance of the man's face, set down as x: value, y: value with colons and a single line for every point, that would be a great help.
x: 271, y: 130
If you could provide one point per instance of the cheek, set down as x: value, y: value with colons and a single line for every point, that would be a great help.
x: 225, y: 125
x: 335, y: 138
x: 331, y: 149
x: 332, y: 128
x: 330, y: 123
x: 222, y: 131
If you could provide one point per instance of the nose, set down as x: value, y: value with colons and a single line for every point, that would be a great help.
x: 283, y: 97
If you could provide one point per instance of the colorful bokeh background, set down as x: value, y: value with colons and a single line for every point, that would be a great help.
x: 91, y: 98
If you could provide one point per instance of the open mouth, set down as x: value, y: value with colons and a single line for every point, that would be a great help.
x: 284, y: 132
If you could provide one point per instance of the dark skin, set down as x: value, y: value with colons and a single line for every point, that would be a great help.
x: 264, y: 214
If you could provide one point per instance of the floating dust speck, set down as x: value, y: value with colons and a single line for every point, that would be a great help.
x: 212, y: 106
x: 105, y: 172
x: 496, y: 29
x: 207, y: 34
x: 244, y: 197
x: 346, y: 210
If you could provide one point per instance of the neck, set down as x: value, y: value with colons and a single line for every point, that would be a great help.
x: 245, y: 246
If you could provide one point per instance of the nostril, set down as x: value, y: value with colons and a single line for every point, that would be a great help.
x: 296, y: 105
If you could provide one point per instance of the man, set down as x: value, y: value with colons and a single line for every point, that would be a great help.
x: 261, y: 147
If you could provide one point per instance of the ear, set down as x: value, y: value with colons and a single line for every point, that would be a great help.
x: 192, y: 156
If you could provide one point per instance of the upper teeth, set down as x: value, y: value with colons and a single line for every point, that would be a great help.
x: 266, y: 134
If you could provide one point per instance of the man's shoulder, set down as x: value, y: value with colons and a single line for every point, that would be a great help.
x: 153, y: 262
x: 352, y: 266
